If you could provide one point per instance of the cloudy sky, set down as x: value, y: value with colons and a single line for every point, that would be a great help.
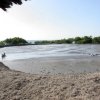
x: 51, y: 19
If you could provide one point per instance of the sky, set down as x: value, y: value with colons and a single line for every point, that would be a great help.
x: 51, y: 19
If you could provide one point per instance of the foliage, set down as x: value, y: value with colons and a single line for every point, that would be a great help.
x: 83, y: 40
x: 87, y: 39
x: 69, y: 41
x: 13, y: 41
x: 1, y: 44
x: 76, y: 40
x: 96, y: 40
x: 4, y: 4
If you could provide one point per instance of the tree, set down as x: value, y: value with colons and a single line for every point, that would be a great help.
x: 69, y: 40
x: 4, y: 4
x: 1, y: 44
x: 87, y: 39
x: 96, y: 40
x: 78, y: 40
x: 15, y: 41
x: 83, y: 40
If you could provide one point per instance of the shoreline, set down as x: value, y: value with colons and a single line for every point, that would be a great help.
x: 16, y: 85
x: 55, y: 65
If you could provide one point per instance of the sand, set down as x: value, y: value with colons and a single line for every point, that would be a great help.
x: 16, y: 85
x: 55, y: 65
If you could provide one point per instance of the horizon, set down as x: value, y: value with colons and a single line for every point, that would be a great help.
x: 52, y: 39
x: 51, y: 20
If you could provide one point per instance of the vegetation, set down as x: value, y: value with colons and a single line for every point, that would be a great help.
x: 83, y: 40
x: 4, y: 4
x: 1, y: 44
x: 96, y: 40
x: 13, y: 42
x: 16, y: 41
x: 76, y: 40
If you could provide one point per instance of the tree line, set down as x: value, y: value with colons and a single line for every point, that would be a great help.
x: 76, y: 40
x: 13, y: 42
x: 16, y: 41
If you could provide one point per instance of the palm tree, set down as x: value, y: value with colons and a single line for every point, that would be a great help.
x: 4, y: 4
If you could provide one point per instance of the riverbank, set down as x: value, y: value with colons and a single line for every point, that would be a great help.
x: 15, y: 85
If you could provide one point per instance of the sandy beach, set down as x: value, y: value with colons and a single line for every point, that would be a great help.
x: 56, y: 65
x: 16, y: 85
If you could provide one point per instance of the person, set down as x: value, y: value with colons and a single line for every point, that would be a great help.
x: 3, y: 55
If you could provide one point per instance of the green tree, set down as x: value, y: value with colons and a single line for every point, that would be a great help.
x: 87, y: 40
x: 78, y: 40
x: 1, y: 43
x: 69, y: 40
x: 96, y: 40
x: 15, y: 41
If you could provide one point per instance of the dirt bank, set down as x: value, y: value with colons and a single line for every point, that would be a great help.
x: 16, y: 85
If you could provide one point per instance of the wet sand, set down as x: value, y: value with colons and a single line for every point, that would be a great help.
x: 16, y: 85
x: 56, y: 65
